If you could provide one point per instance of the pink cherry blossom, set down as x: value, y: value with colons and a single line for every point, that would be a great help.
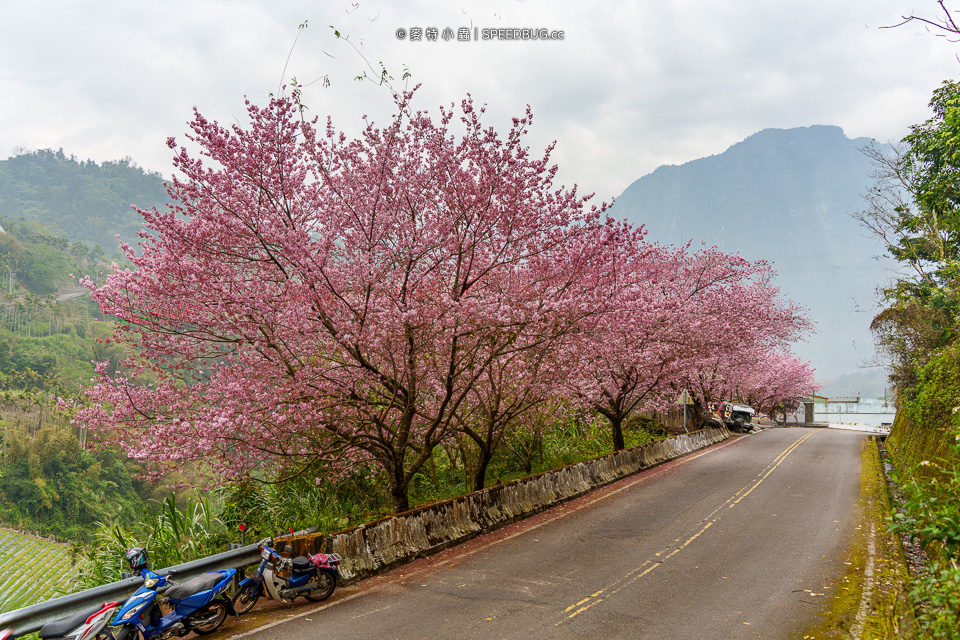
x: 311, y: 300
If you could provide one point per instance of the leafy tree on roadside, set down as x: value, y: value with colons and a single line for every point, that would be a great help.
x: 915, y: 207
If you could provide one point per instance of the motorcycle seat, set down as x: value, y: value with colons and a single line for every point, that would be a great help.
x: 202, y: 582
x: 64, y: 626
x: 302, y: 563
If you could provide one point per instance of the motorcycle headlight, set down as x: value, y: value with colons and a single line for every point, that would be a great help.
x: 128, y: 615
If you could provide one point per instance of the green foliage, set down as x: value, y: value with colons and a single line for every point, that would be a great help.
x: 50, y: 484
x: 568, y: 439
x: 938, y: 589
x: 268, y: 509
x: 172, y: 534
x: 574, y: 439
x: 360, y: 497
x: 444, y: 476
x: 180, y: 535
x: 39, y: 260
x: 925, y: 230
x: 915, y: 210
x: 60, y: 363
x: 102, y: 561
x: 921, y: 428
x: 928, y: 454
x: 932, y: 514
x: 87, y: 202
x: 933, y: 404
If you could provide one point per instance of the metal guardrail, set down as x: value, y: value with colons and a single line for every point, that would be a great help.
x: 30, y: 619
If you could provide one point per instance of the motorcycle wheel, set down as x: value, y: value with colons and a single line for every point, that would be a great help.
x: 214, y: 615
x: 126, y: 632
x: 246, y: 598
x: 104, y: 635
x: 328, y: 582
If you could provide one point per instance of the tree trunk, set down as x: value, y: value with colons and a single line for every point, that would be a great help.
x: 480, y: 474
x: 696, y: 417
x: 617, y: 428
x: 401, y: 501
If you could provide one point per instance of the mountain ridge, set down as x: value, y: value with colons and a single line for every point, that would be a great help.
x: 786, y: 196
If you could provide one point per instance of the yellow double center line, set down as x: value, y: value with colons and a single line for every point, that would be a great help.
x: 675, y: 548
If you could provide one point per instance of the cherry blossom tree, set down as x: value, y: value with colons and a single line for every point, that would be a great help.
x: 316, y: 299
x: 738, y: 323
x: 682, y: 322
x: 511, y: 388
x: 517, y: 382
x: 777, y: 380
x: 633, y: 352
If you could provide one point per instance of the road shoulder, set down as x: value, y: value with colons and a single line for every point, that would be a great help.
x: 870, y: 601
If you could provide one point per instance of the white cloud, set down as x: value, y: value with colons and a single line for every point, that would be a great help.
x: 630, y: 87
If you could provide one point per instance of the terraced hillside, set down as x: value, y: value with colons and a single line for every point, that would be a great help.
x: 31, y: 570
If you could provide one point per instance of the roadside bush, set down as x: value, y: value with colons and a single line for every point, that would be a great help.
x: 172, y: 535
x: 931, y: 488
x: 932, y: 515
x: 268, y: 509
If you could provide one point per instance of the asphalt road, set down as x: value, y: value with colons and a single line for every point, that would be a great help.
x: 742, y: 540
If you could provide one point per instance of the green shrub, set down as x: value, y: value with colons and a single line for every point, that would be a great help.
x: 172, y: 535
x: 927, y: 444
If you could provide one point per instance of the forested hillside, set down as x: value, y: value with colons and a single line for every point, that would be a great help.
x: 50, y: 335
x: 80, y: 200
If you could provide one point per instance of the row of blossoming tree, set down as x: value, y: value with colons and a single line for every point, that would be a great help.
x: 313, y: 299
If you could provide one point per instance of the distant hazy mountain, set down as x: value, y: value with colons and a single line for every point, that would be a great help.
x: 786, y: 196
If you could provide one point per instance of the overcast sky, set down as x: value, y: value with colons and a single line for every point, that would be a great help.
x: 627, y: 89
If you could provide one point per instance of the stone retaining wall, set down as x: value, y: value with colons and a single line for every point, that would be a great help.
x: 375, y: 547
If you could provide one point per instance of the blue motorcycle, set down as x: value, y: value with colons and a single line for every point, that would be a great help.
x: 314, y: 577
x: 199, y: 605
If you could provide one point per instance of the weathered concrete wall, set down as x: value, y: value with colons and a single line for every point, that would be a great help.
x: 380, y: 545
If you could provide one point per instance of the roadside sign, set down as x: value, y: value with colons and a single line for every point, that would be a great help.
x: 685, y: 397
